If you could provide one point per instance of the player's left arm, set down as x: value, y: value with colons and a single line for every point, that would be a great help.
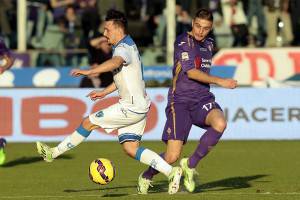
x: 109, y: 65
x: 206, y: 78
x: 9, y: 60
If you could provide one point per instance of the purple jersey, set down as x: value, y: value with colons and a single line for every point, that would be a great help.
x: 3, y: 49
x: 190, y: 54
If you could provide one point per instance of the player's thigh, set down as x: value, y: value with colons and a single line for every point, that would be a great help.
x: 114, y: 117
x: 178, y: 123
x: 134, y: 131
x: 202, y: 112
x: 174, y: 149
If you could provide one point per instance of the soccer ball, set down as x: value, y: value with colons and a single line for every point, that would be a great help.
x: 102, y: 171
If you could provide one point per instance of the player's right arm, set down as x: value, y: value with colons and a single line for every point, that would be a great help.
x: 100, y: 94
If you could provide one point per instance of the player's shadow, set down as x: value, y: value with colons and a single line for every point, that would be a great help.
x: 104, y: 189
x: 232, y: 183
x: 219, y: 185
x: 28, y: 160
x: 99, y: 189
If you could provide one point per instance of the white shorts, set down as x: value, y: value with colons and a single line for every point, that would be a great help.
x: 130, y: 125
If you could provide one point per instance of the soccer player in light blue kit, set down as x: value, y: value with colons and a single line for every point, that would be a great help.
x: 6, y: 61
x: 128, y: 116
x: 190, y: 101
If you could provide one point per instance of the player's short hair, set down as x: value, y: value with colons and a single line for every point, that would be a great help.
x: 204, y: 14
x: 118, y: 18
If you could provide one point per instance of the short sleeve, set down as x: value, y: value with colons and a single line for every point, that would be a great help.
x: 123, y: 52
x: 185, y: 55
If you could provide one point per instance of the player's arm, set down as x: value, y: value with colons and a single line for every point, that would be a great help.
x: 109, y: 65
x: 200, y: 76
x: 8, y: 60
x: 99, y: 94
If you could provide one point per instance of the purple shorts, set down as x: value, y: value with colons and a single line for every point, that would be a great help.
x: 181, y: 117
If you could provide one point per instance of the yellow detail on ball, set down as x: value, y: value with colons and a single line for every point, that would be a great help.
x: 102, y: 171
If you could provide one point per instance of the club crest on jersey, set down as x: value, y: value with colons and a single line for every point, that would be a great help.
x: 185, y: 56
x: 100, y: 114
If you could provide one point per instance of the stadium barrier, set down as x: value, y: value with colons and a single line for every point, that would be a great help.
x: 51, y: 114
x: 59, y: 77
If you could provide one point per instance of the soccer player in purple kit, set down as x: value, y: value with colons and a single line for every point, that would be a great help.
x: 6, y: 61
x: 190, y: 101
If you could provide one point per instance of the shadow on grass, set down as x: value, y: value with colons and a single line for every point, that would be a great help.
x: 229, y: 183
x: 28, y: 160
x: 99, y: 189
x: 232, y: 183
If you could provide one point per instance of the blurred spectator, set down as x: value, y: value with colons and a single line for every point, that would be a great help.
x: 295, y: 16
x: 59, y: 7
x: 90, y: 19
x: 39, y: 16
x: 72, y: 29
x: 255, y: 9
x: 235, y: 17
x: 278, y: 20
x: 8, y: 25
x: 99, y: 52
x: 183, y: 20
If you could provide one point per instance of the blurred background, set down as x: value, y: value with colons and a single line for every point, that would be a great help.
x: 257, y: 43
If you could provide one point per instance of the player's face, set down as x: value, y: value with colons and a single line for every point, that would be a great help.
x: 111, y: 32
x: 201, y: 28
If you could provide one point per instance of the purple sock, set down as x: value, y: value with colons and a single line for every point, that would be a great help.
x: 208, y: 140
x: 150, y: 172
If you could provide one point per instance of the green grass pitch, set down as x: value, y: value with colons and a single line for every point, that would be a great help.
x: 235, y: 170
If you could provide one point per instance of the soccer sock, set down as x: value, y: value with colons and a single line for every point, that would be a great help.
x: 71, y: 141
x: 150, y: 172
x: 208, y: 140
x: 152, y: 159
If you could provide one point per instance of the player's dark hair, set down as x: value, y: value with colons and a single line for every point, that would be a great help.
x: 204, y: 14
x: 118, y: 18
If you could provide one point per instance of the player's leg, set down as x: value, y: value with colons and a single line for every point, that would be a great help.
x: 106, y: 118
x: 216, y: 123
x: 2, y: 151
x: 212, y: 117
x: 130, y: 137
x: 173, y: 151
x: 71, y: 141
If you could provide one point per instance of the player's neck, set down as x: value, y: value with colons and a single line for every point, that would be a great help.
x: 120, y: 38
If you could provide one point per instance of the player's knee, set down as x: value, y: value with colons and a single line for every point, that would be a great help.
x: 86, y: 123
x: 171, y: 158
x: 219, y: 125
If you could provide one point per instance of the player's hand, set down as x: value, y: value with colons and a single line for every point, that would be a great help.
x: 228, y: 83
x: 94, y: 95
x: 1, y: 70
x: 79, y: 72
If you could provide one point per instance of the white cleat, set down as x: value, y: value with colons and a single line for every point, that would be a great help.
x: 174, y: 180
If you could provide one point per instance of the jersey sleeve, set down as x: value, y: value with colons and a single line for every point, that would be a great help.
x: 121, y: 51
x: 185, y: 54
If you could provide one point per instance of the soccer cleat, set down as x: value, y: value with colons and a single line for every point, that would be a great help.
x: 2, y: 156
x: 45, y: 151
x: 188, y: 174
x: 2, y: 152
x: 174, y: 180
x: 143, y: 185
